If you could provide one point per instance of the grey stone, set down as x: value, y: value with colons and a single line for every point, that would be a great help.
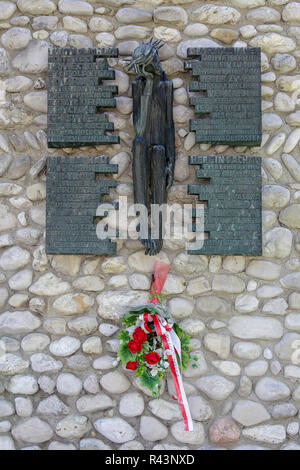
x: 23, y: 384
x: 195, y: 437
x: 49, y: 284
x: 7, y: 9
x: 115, y: 382
x: 28, y: 235
x: 37, y: 101
x: 283, y: 349
x: 215, y: 387
x: 68, y: 384
x: 263, y: 15
x: 19, y: 167
x: 115, y: 429
x: 16, y: 38
x: 215, y: 14
x: 269, y: 433
x: 283, y: 410
x: 5, y: 426
x: 291, y: 281
x: 45, y: 7
x: 52, y: 406
x: 91, y: 384
x: 79, y: 8
x: 18, y: 322
x: 200, y: 408
x: 131, y: 404
x: 246, y: 350
x: 72, y: 427
x: 93, y: 444
x: 79, y: 41
x: 10, y: 189
x: 59, y: 38
x: 133, y: 15
x: 4, y: 63
x: 65, y: 346
x: 291, y: 12
x: 269, y: 389
x: 55, y: 445
x: 33, y: 59
x: 255, y: 327
x: 152, y: 430
x: 131, y: 32
x: 6, y: 443
x: 55, y: 326
x: 78, y: 362
x: 273, y: 42
x: 24, y: 407
x: 8, y: 222
x: 165, y: 410
x: 41, y: 362
x: 46, y: 384
x: 14, y: 258
x: 211, y: 305
x: 21, y: 280
x: 33, y: 430
x: 176, y: 16
x: 6, y: 408
x: 83, y: 325
x: 249, y: 413
x: 217, y: 343
x: 5, y: 161
x: 98, y: 25
x: 93, y: 403
x: 113, y: 304
x: 45, y: 22
x: 228, y: 283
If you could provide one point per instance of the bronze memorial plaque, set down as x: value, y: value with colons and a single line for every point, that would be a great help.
x: 74, y: 193
x: 230, y: 190
x: 77, y: 96
x: 227, y: 95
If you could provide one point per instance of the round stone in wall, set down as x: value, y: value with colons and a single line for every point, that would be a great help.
x: 68, y: 384
x: 33, y: 430
x: 115, y: 382
x: 131, y: 404
x: 115, y: 429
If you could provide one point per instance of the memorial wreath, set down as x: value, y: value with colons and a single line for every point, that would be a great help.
x: 152, y: 343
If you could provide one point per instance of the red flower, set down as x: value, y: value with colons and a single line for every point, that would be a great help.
x: 152, y: 358
x: 133, y: 346
x: 139, y: 335
x: 131, y: 365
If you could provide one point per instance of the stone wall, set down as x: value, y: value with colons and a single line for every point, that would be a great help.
x: 60, y: 314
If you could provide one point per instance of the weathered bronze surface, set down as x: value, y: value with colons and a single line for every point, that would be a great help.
x: 154, y: 144
x: 231, y: 190
x: 77, y: 96
x: 227, y: 95
x: 74, y: 193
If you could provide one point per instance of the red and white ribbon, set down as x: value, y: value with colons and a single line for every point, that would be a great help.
x: 172, y: 345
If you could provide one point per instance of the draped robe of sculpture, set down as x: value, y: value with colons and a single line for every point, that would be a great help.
x: 153, y: 146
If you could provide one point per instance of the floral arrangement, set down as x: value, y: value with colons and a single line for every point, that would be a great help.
x: 152, y: 343
x: 142, y: 351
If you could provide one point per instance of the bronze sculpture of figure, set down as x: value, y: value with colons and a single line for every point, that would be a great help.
x: 154, y: 144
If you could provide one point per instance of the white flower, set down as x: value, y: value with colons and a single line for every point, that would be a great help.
x: 154, y: 372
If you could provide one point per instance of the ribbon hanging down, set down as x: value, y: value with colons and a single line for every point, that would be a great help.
x: 170, y: 340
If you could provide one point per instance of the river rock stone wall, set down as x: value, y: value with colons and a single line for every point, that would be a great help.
x: 60, y: 315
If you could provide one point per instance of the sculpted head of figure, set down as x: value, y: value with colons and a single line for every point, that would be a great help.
x: 145, y: 60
